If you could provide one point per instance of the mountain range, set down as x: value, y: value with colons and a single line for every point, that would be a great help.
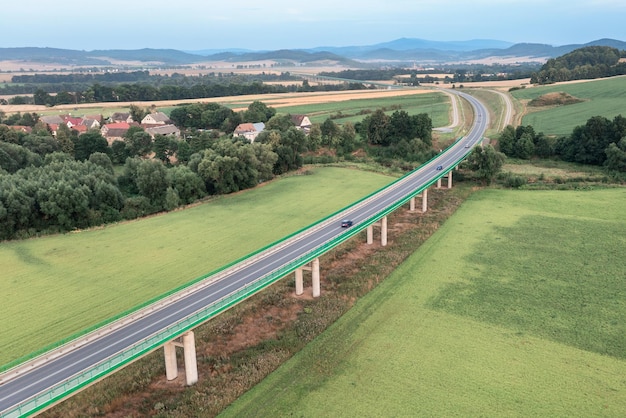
x: 396, y: 51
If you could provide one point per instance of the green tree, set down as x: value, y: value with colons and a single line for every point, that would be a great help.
x: 165, y: 147
x: 188, y: 185
x: 88, y: 143
x: 486, y: 162
x: 152, y: 182
x: 101, y: 159
x: 525, y: 147
x: 616, y: 156
x: 376, y: 128
x: 65, y: 139
x: 137, y: 113
x: 258, y: 112
x: 138, y: 142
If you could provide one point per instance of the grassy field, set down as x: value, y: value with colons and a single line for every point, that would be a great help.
x: 51, y: 285
x: 604, y: 97
x: 435, y: 104
x: 515, y: 307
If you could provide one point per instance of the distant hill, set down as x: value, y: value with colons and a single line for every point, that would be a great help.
x: 396, y: 51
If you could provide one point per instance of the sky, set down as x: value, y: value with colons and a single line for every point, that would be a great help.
x: 192, y: 25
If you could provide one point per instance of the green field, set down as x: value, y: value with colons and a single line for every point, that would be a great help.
x: 604, y: 97
x: 58, y: 285
x: 436, y: 105
x: 515, y: 307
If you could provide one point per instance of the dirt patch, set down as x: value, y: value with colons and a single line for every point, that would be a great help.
x: 554, y: 99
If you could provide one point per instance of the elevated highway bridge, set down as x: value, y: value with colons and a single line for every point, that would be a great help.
x: 40, y: 383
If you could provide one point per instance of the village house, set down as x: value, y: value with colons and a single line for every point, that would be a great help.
x: 301, y: 122
x: 163, y: 130
x: 249, y: 130
x: 121, y: 117
x: 114, y: 131
x: 156, y: 118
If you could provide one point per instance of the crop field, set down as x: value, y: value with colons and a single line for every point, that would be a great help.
x: 604, y: 97
x: 436, y: 105
x: 516, y: 306
x: 55, y: 286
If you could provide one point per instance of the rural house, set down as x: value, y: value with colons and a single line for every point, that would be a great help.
x: 114, y: 131
x: 163, y: 130
x: 249, y: 130
x: 301, y: 122
x: 156, y: 118
x: 121, y: 117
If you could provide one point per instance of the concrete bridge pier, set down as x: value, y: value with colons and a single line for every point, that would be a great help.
x: 383, y: 232
x: 424, y: 197
x: 189, y: 351
x: 314, y: 268
x: 439, y: 183
x: 450, y: 179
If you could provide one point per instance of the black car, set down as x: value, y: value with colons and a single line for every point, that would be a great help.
x: 346, y: 223
x: 439, y: 167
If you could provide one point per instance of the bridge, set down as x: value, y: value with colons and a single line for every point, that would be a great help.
x: 37, y: 384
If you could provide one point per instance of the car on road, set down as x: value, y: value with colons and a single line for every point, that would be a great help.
x: 467, y: 145
x: 439, y: 167
x: 346, y: 223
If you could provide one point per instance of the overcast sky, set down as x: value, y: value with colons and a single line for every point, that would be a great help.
x: 280, y: 24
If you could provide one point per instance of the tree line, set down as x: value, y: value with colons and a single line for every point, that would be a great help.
x: 583, y: 63
x: 63, y: 182
x: 600, y: 141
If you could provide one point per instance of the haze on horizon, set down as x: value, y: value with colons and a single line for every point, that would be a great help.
x: 280, y: 24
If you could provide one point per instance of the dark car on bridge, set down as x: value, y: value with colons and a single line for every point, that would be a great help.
x: 439, y: 167
x: 346, y: 223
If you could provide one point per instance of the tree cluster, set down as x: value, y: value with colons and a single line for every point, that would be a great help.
x: 524, y: 143
x: 398, y: 135
x: 583, y: 63
x: 600, y: 141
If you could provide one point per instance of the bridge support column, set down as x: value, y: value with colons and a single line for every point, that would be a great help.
x: 314, y: 268
x: 383, y: 231
x: 299, y: 282
x: 412, y: 204
x: 171, y: 366
x: 424, y: 200
x: 191, y: 365
x: 315, y: 275
x: 450, y: 179
x: 439, y: 183
x: 189, y: 350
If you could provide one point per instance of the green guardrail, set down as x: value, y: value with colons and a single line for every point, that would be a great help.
x: 58, y: 392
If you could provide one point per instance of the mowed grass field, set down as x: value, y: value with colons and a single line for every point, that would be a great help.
x: 603, y: 97
x: 55, y: 286
x: 435, y: 104
x: 515, y: 307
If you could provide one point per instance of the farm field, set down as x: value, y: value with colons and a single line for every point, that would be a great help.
x: 515, y: 307
x: 236, y: 102
x: 51, y: 284
x: 603, y: 97
x: 437, y: 106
